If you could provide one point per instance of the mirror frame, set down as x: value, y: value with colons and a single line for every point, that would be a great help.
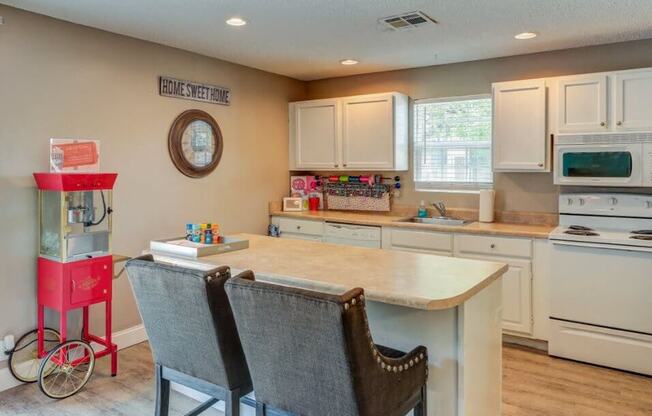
x: 175, y: 137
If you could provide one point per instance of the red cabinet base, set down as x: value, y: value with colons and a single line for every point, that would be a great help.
x: 78, y: 284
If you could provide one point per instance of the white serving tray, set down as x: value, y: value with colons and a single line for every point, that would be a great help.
x: 179, y: 246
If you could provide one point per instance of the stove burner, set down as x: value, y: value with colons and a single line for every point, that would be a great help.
x: 579, y: 228
x: 587, y: 233
x: 642, y: 232
x: 642, y: 237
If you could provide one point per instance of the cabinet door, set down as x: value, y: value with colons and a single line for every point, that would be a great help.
x: 517, y: 298
x: 368, y: 132
x: 583, y: 104
x: 633, y: 100
x: 314, y: 134
x: 517, y: 293
x: 519, y: 126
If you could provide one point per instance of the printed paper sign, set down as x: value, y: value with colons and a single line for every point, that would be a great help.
x: 71, y: 155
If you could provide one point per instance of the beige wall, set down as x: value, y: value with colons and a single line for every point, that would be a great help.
x: 514, y: 191
x: 63, y: 80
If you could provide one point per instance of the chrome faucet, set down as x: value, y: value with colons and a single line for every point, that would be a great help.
x: 441, y: 207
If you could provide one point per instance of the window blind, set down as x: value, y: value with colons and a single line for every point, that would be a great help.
x: 452, y: 143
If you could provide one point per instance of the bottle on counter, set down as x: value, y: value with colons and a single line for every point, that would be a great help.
x: 422, y: 212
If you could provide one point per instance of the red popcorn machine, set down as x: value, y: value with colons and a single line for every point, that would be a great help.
x: 75, y: 270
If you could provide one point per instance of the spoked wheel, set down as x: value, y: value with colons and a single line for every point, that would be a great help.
x: 23, y: 360
x: 66, y: 369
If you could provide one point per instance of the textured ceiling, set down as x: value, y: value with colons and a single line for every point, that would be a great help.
x: 306, y: 39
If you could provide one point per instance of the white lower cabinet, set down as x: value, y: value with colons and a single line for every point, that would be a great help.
x: 518, y: 311
x: 518, y: 253
x: 299, y: 229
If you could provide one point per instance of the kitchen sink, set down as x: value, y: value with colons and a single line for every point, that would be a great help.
x: 437, y: 221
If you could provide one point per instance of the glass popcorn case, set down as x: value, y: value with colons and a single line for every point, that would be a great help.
x: 75, y: 215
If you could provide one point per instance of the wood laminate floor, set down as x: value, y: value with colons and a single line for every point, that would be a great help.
x: 534, y: 385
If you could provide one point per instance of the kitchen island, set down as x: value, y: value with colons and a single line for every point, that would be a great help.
x: 450, y: 305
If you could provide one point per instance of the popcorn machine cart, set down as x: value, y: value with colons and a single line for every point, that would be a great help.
x: 75, y: 270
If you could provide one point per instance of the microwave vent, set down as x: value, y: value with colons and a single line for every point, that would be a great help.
x: 408, y: 20
x: 604, y: 138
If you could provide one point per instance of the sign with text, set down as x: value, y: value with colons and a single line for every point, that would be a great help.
x: 177, y: 88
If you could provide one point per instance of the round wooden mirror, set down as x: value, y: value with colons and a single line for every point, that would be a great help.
x: 195, y: 143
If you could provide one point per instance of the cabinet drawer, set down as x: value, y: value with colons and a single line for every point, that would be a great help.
x: 291, y: 225
x: 422, y: 240
x: 494, y: 246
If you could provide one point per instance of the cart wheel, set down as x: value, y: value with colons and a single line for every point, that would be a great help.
x: 23, y: 360
x: 66, y: 369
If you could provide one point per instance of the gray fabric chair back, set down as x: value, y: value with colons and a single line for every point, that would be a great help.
x: 295, y: 346
x: 189, y: 321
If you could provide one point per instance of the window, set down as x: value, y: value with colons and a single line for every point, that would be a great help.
x: 452, y: 143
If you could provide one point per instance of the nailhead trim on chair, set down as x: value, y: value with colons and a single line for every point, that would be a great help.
x: 374, y: 350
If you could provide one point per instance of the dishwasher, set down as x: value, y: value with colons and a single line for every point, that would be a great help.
x: 352, y: 235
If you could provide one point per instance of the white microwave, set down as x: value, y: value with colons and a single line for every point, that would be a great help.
x: 603, y: 159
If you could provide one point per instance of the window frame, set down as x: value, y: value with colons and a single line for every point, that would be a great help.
x: 450, y: 187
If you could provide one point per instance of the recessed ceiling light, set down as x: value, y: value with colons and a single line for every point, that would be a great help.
x: 348, y: 62
x: 236, y: 21
x: 526, y: 35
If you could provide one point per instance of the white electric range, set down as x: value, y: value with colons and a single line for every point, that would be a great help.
x: 601, y: 284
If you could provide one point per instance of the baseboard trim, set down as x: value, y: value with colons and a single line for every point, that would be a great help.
x: 126, y: 337
x: 123, y: 339
x: 526, y: 342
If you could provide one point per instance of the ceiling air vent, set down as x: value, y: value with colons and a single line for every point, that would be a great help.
x: 409, y: 20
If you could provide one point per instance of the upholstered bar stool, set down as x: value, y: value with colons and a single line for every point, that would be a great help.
x: 311, y: 354
x: 191, y: 332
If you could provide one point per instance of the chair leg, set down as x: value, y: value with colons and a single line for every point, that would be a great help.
x: 232, y: 403
x: 421, y: 409
x: 261, y: 409
x: 162, y: 393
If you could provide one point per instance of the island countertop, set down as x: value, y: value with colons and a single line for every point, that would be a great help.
x: 415, y: 280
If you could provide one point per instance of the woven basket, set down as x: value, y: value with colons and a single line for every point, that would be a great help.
x: 358, y: 203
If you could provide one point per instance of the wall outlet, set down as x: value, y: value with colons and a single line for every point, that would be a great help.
x: 6, y: 343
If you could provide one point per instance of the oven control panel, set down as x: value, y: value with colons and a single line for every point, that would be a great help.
x: 609, y: 204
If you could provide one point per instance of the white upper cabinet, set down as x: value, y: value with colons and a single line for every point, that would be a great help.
x: 582, y: 103
x: 315, y: 134
x: 519, y: 126
x: 367, y: 132
x: 633, y: 100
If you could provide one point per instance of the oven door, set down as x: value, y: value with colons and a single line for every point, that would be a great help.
x: 603, y: 285
x: 599, y: 165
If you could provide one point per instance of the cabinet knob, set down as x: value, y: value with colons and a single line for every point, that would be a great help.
x: 540, y: 165
x: 603, y: 124
x: 492, y: 245
x: 336, y: 165
x: 619, y: 123
x: 298, y: 227
x: 344, y: 164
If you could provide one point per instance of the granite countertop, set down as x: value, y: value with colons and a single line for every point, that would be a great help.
x: 392, y: 220
x: 415, y: 280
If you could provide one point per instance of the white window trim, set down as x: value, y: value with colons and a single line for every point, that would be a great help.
x: 451, y: 187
